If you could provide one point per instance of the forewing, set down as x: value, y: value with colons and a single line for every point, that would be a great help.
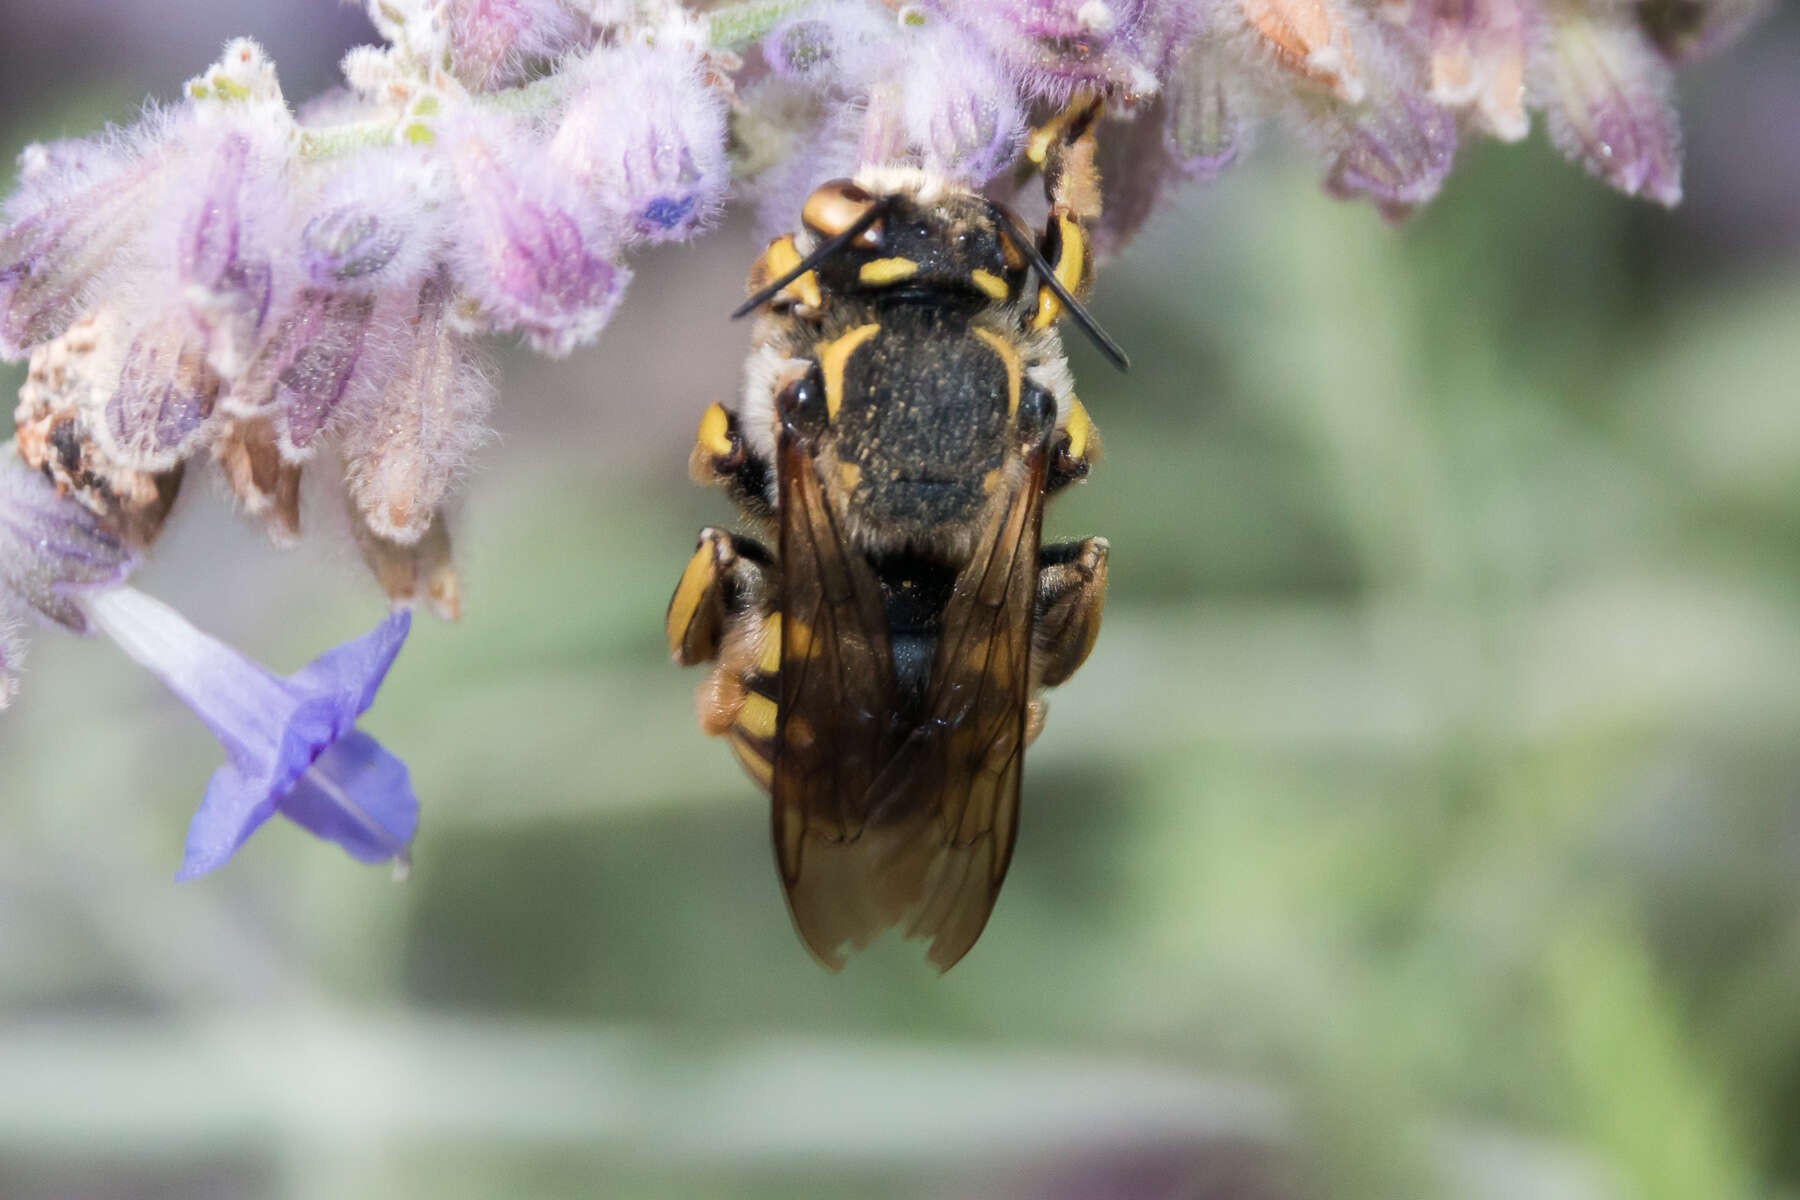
x: 836, y: 720
x: 962, y: 765
x: 979, y: 691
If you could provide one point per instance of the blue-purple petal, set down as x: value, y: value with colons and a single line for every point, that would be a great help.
x: 351, y: 674
x: 234, y: 807
x: 359, y: 796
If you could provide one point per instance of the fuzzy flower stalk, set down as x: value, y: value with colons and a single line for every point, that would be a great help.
x: 249, y: 286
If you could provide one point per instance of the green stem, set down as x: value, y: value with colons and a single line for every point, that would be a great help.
x: 735, y: 26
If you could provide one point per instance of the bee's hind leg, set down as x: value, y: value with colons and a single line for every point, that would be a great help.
x: 1071, y: 596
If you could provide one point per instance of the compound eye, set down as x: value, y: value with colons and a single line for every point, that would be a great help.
x: 836, y: 206
x: 801, y: 401
x: 1037, y: 409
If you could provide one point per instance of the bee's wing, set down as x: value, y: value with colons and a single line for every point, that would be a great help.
x: 836, y: 720
x: 965, y: 760
x: 912, y: 825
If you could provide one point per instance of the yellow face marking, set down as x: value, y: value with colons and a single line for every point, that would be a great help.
x: 991, y: 284
x: 849, y: 475
x: 757, y: 717
x: 1015, y: 368
x: 781, y: 257
x: 833, y: 356
x: 715, y: 431
x: 1079, y: 427
x: 696, y: 579
x: 769, y: 661
x: 883, y: 271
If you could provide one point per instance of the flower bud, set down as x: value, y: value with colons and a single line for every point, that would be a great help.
x: 532, y: 256
x: 404, y: 443
x: 63, y: 399
x: 1606, y: 94
x: 420, y: 574
x: 263, y: 481
x: 162, y: 408
x: 69, y: 228
x: 224, y: 272
x: 1058, y: 47
x: 645, y: 136
x: 959, y: 109
x: 1477, y: 52
x: 1206, y: 130
x: 494, y: 42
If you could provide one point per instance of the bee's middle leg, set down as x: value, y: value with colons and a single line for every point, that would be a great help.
x: 1071, y: 597
x: 724, y: 613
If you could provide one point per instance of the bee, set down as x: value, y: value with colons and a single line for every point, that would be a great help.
x: 880, y: 636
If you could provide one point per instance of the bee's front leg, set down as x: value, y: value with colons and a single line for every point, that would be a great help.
x: 720, y: 457
x: 1071, y: 596
x: 1064, y: 148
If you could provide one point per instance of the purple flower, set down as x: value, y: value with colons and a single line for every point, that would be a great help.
x: 52, y: 548
x: 1206, y: 128
x: 163, y: 407
x: 1606, y: 93
x: 493, y: 42
x: 291, y: 745
x: 70, y: 227
x: 959, y: 109
x: 532, y: 254
x: 226, y: 279
x: 1056, y: 47
x: 645, y: 136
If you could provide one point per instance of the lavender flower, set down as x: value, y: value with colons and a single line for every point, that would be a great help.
x: 1607, y: 95
x: 290, y: 744
x: 162, y: 409
x: 494, y: 42
x: 959, y: 108
x: 1205, y: 132
x: 533, y: 256
x: 1057, y: 47
x: 71, y: 227
x: 659, y: 158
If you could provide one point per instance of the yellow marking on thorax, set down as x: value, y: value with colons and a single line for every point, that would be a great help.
x: 769, y: 661
x: 715, y: 431
x: 989, y: 283
x: 833, y: 356
x: 1015, y: 368
x: 757, y: 717
x: 849, y: 475
x: 1080, y: 428
x: 783, y: 256
x: 882, y: 271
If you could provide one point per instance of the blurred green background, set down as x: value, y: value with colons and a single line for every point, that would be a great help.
x: 1426, y: 822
